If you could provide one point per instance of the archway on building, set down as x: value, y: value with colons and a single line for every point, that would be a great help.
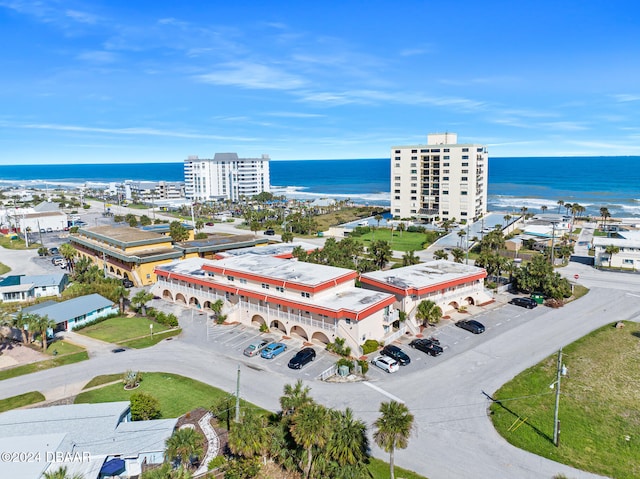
x: 206, y: 305
x: 194, y: 302
x: 299, y: 332
x: 180, y: 298
x: 258, y: 321
x: 111, y: 270
x: 319, y: 337
x: 166, y: 294
x: 119, y: 273
x: 275, y: 324
x: 124, y: 275
x: 469, y: 300
x: 453, y: 305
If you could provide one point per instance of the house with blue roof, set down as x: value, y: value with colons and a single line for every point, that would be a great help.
x: 16, y: 288
x: 76, y: 312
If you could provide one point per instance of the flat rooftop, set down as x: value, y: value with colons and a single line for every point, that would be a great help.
x: 124, y: 234
x: 423, y: 275
x: 274, y: 249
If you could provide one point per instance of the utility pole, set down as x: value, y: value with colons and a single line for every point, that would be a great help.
x: 238, y: 396
x: 553, y: 241
x: 467, y: 262
x: 556, y: 422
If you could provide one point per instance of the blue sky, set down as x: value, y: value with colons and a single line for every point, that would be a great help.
x: 135, y: 81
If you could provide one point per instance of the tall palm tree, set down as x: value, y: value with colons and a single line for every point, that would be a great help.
x: 458, y: 255
x: 69, y: 253
x: 61, y: 474
x: 410, y: 258
x: 184, y: 444
x: 461, y: 234
x: 20, y: 321
x: 506, y: 219
x: 611, y: 250
x: 311, y: 428
x: 393, y: 429
x: 440, y: 254
x: 560, y: 204
x: 604, y: 212
x: 295, y: 397
x: 43, y: 323
x: 543, y: 208
x: 141, y: 299
x: 120, y: 292
x: 348, y: 443
x: 166, y: 471
x: 250, y: 437
x: 428, y: 312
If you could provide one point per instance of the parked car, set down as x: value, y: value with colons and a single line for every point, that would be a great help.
x: 209, y: 223
x: 471, y: 325
x: 529, y: 303
x: 386, y: 363
x: 270, y: 232
x: 394, y: 352
x: 127, y: 283
x: 302, y: 357
x: 272, y: 350
x: 428, y: 346
x: 54, y: 250
x: 255, y: 348
x: 58, y: 260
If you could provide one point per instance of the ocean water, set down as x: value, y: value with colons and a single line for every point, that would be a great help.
x: 593, y: 182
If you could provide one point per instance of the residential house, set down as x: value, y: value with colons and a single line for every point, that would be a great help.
x: 18, y: 288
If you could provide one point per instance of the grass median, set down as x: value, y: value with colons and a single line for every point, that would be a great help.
x: 599, y: 414
x: 42, y: 365
x: 21, y: 400
x: 121, y: 329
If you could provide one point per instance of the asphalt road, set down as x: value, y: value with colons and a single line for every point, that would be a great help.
x: 453, y: 436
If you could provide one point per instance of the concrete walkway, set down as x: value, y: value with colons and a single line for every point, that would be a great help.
x: 94, y: 347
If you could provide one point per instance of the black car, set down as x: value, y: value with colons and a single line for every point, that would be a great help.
x: 524, y: 302
x: 471, y: 325
x: 396, y: 353
x: 270, y: 232
x: 302, y: 357
x: 127, y: 283
x: 54, y: 251
x: 427, y: 346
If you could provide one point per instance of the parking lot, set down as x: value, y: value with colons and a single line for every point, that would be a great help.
x: 231, y: 340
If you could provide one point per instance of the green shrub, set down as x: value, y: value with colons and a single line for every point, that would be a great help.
x: 144, y: 407
x: 364, y: 365
x: 345, y: 362
x: 369, y: 346
x: 216, y: 462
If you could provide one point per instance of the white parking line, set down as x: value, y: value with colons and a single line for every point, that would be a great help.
x: 382, y: 391
x: 498, y: 324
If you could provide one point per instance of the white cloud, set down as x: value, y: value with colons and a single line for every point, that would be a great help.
x: 254, y: 76
x: 624, y: 98
x: 98, y: 57
x: 566, y: 125
x: 82, y: 17
x: 141, y: 131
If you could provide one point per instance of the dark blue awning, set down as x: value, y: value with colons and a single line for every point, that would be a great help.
x: 112, y: 467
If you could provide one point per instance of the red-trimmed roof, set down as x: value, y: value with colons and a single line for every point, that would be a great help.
x: 424, y: 290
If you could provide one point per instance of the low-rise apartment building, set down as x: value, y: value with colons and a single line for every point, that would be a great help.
x: 628, y: 250
x: 314, y: 302
x: 449, y: 285
x: 16, y: 288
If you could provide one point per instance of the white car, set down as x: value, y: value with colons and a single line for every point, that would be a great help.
x: 256, y: 348
x: 386, y: 363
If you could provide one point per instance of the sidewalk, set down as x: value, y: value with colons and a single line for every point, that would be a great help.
x: 94, y: 347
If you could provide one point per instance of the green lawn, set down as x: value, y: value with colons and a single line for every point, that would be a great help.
x: 598, y: 404
x: 104, y: 379
x: 62, y: 348
x: 4, y: 269
x: 177, y: 394
x: 42, y: 365
x: 148, y: 341
x: 121, y: 329
x: 404, y: 241
x: 380, y: 470
x: 22, y: 400
x: 8, y: 243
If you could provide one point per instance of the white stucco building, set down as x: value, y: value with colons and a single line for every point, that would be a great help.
x: 314, y: 302
x: 225, y: 177
x: 628, y: 255
x: 449, y: 285
x: 443, y: 179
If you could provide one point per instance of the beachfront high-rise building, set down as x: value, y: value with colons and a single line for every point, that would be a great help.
x: 443, y: 179
x: 225, y: 177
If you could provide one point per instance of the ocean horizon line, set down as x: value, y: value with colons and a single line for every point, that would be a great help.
x: 124, y: 162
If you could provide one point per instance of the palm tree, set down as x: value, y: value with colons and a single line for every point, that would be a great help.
x: 184, y: 444
x: 43, y: 324
x: 295, y: 397
x: 560, y: 204
x: 311, y: 428
x: 393, y: 429
x: 380, y: 253
x: 611, y: 250
x: 121, y: 293
x: 461, y: 234
x: 410, y: 258
x: 20, y: 321
x: 401, y: 227
x: 61, y: 474
x: 440, y: 254
x: 506, y: 219
x: 428, y: 312
x: 250, y: 437
x: 604, y: 212
x: 166, y: 471
x: 458, y: 255
x: 543, y: 208
x: 348, y: 443
x: 68, y: 252
x: 141, y: 299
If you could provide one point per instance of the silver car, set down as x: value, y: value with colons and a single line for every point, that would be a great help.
x: 254, y: 348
